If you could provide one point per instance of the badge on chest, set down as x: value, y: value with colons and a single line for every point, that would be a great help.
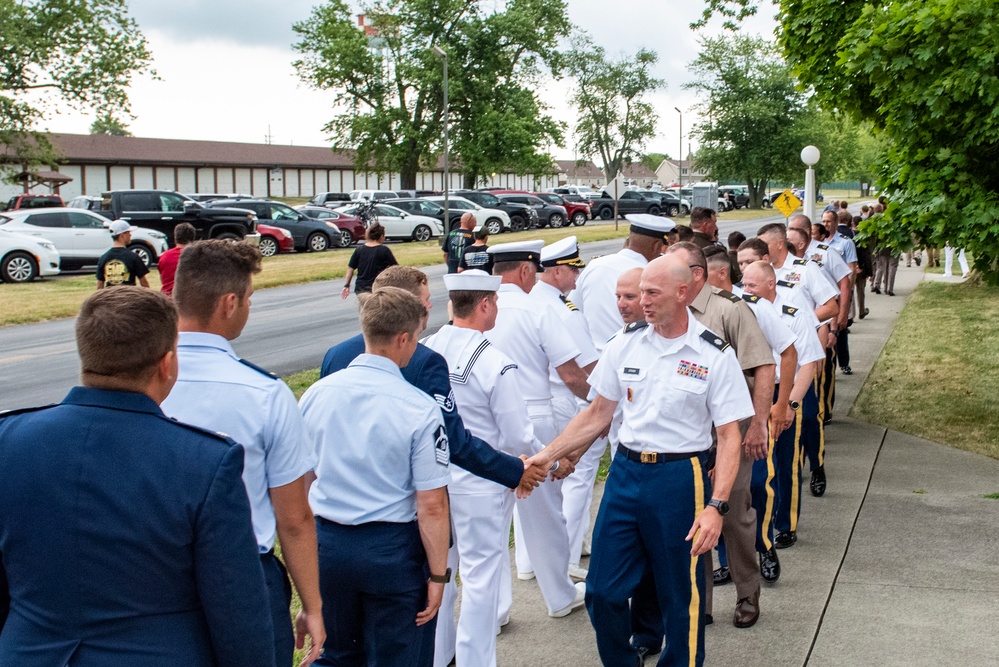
x: 692, y: 370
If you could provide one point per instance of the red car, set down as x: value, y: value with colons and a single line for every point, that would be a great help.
x: 274, y: 240
x: 351, y: 227
x: 578, y: 212
x: 33, y: 201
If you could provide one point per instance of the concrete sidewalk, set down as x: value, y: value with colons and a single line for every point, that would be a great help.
x: 895, y: 565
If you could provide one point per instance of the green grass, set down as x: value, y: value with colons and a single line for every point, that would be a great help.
x: 991, y: 496
x: 937, y: 374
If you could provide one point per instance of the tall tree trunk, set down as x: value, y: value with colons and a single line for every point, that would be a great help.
x: 469, y: 180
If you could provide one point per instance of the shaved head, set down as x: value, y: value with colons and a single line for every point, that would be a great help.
x: 760, y: 280
x: 628, y: 294
x: 666, y: 284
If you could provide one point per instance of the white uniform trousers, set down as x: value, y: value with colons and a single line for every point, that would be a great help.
x: 577, y: 488
x: 542, y: 543
x: 479, y: 555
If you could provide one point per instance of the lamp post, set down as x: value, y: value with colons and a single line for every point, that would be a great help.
x: 442, y: 54
x: 679, y: 157
x: 810, y: 155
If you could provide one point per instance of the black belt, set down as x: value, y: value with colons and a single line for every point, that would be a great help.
x: 654, y: 457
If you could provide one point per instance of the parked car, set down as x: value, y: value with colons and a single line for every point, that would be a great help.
x: 85, y: 202
x: 274, y: 240
x: 581, y: 191
x: 24, y: 258
x: 521, y: 216
x: 401, y: 225
x: 668, y: 203
x: 163, y: 210
x: 81, y: 237
x: 212, y: 196
x: 800, y: 194
x: 332, y: 199
x: 549, y: 215
x: 310, y: 234
x: 19, y: 202
x: 738, y: 196
x: 578, y: 212
x: 629, y: 202
x: 683, y: 196
x: 432, y: 208
x: 495, y: 220
x: 374, y: 195
x: 351, y: 228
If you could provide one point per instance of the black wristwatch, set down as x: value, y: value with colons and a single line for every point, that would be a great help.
x: 720, y: 505
x: 794, y: 404
x: 441, y: 578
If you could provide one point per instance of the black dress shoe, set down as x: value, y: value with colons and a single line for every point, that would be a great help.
x: 721, y: 576
x: 784, y: 539
x: 847, y: 370
x: 646, y: 651
x: 890, y: 293
x: 708, y: 619
x: 747, y: 611
x: 769, y: 565
x: 876, y: 290
x: 818, y: 483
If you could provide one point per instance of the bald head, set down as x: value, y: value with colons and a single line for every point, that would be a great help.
x: 628, y: 294
x: 666, y: 284
x: 759, y: 280
x: 800, y: 221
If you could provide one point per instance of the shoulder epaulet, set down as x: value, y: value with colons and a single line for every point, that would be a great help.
x: 824, y: 246
x: 262, y: 371
x: 635, y: 326
x: 784, y: 283
x: 728, y: 295
x: 21, y: 411
x: 790, y: 310
x: 801, y: 262
x: 818, y: 263
x: 751, y: 298
x: 568, y: 303
x: 715, y: 340
x: 218, y: 435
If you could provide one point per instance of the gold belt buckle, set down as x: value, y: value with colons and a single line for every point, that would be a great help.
x: 649, y: 457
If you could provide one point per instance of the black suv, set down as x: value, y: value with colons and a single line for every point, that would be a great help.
x: 668, y: 203
x: 549, y: 215
x: 418, y: 206
x: 309, y: 233
x: 522, y: 216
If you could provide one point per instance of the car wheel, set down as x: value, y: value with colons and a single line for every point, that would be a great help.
x: 494, y: 226
x: 346, y: 239
x: 673, y: 210
x: 18, y: 267
x: 317, y: 242
x: 268, y: 246
x: 142, y: 250
x: 767, y: 203
x: 517, y: 223
x: 654, y: 210
x: 229, y: 236
x: 686, y: 210
x: 421, y: 233
x: 556, y: 220
x: 579, y: 218
x: 606, y: 213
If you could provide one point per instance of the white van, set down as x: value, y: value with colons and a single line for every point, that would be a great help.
x: 372, y: 195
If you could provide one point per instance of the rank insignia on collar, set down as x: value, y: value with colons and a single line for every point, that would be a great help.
x: 790, y: 310
x: 751, y: 298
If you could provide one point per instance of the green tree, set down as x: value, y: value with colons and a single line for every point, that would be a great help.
x: 108, y: 124
x: 389, y: 102
x: 55, y: 54
x: 757, y: 121
x: 613, y: 119
x: 653, y: 160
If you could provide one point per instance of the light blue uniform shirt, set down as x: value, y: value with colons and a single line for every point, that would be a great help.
x: 378, y: 441
x: 217, y: 391
x: 844, y: 246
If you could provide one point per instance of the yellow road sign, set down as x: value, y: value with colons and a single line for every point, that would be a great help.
x: 787, y: 203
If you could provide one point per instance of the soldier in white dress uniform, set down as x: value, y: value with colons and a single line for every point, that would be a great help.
x: 535, y: 338
x: 487, y: 394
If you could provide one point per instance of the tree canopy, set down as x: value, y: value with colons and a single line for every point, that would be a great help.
x: 77, y: 54
x: 109, y: 125
x: 613, y: 118
x: 388, y: 84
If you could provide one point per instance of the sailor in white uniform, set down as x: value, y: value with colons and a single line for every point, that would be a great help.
x: 535, y: 338
x: 487, y: 394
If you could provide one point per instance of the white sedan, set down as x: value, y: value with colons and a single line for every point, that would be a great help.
x: 494, y: 219
x: 401, y: 225
x: 24, y: 258
x: 80, y: 236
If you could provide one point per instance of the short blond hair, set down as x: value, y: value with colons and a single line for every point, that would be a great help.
x: 404, y: 277
x: 389, y: 311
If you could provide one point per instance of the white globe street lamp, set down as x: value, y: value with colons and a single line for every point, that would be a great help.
x: 810, y: 155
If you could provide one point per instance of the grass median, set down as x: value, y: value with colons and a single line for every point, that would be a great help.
x: 59, y: 297
x: 936, y: 376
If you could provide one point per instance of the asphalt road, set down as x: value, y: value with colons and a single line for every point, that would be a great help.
x: 289, y: 330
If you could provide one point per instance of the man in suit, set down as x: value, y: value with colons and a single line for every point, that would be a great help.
x: 140, y: 549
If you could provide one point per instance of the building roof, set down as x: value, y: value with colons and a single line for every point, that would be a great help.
x: 587, y: 169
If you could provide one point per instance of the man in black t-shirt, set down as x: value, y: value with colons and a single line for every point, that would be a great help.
x: 119, y: 265
x: 456, y: 241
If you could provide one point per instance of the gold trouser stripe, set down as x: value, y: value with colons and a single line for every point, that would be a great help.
x: 694, y: 611
x: 771, y: 473
x: 796, y: 468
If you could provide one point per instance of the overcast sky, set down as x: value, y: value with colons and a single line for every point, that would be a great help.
x: 226, y: 69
